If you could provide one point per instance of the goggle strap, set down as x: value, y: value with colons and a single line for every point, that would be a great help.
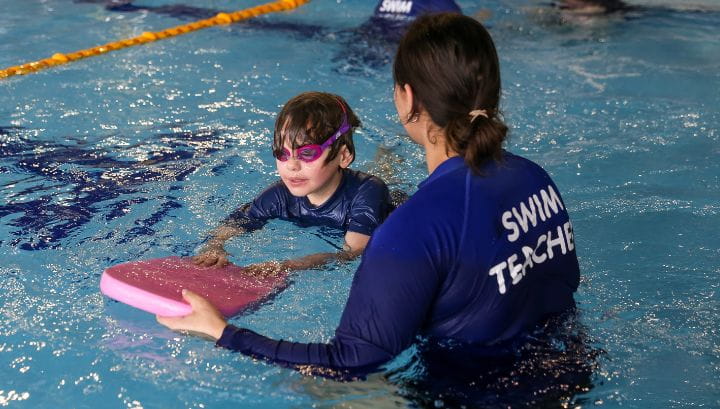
x: 344, y: 127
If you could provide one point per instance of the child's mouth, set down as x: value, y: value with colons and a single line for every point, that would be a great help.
x: 296, y: 181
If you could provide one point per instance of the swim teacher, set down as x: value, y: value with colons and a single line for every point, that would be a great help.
x: 480, y: 255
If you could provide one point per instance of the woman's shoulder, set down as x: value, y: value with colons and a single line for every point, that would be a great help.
x: 512, y: 171
x: 439, y: 200
x: 520, y: 162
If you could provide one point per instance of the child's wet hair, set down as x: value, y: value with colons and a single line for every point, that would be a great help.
x: 312, y: 118
x: 450, y: 62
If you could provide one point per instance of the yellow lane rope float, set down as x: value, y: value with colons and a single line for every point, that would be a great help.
x: 148, y: 36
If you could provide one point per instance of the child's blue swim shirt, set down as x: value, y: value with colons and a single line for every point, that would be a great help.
x: 478, y: 259
x: 360, y: 204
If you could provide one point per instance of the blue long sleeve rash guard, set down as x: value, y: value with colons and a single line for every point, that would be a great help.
x: 476, y: 259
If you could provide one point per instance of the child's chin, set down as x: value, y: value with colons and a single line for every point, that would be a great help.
x: 298, y: 192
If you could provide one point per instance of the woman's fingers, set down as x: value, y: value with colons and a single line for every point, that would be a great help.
x: 174, y: 323
x: 199, y: 304
x: 192, y: 298
x: 204, y: 318
x: 166, y: 321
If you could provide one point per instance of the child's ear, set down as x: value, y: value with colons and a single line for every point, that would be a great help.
x: 346, y: 157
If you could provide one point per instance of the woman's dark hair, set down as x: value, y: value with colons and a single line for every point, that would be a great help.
x: 451, y: 64
x: 311, y: 118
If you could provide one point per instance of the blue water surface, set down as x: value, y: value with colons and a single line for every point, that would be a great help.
x: 136, y: 153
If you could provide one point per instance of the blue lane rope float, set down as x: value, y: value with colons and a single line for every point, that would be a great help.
x: 150, y: 36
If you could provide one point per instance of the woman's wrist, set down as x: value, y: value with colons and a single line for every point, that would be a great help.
x: 217, y: 330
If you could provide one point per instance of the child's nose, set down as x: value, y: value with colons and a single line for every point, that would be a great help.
x: 292, y: 164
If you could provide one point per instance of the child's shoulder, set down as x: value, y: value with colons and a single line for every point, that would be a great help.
x: 360, y: 180
x: 276, y: 194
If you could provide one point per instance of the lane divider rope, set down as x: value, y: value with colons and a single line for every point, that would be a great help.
x: 150, y: 36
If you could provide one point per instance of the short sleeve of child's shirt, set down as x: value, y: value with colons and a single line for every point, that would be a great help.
x: 270, y: 204
x: 370, y: 206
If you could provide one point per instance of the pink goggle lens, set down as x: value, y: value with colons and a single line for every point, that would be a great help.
x: 307, y: 153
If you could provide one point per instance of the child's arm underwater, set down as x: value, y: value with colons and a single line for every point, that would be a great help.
x: 354, y: 245
x: 248, y: 217
x: 213, y: 253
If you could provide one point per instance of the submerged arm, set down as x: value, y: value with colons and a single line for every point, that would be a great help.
x: 248, y: 217
x: 213, y: 252
x: 354, y: 245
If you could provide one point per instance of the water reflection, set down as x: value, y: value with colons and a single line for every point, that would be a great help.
x: 58, y: 188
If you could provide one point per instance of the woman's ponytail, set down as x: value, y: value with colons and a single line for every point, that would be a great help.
x: 485, y: 140
x: 477, y: 139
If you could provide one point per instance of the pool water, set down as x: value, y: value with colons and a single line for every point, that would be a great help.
x: 136, y: 153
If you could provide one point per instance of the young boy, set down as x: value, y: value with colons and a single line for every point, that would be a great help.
x: 313, y: 148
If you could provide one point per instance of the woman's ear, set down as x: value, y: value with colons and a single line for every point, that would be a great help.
x: 346, y: 157
x: 409, y: 94
x: 404, y: 98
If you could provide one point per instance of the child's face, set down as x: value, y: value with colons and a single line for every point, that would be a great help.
x: 317, y: 180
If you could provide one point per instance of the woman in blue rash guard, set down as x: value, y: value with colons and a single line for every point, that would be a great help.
x: 480, y: 256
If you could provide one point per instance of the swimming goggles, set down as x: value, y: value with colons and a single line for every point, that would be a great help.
x: 310, y: 153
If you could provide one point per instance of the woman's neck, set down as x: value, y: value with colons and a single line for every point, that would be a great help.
x: 437, y: 153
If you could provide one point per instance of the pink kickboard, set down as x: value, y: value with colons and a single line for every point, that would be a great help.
x: 155, y: 285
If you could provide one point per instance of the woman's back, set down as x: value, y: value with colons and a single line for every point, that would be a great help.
x: 483, y: 257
